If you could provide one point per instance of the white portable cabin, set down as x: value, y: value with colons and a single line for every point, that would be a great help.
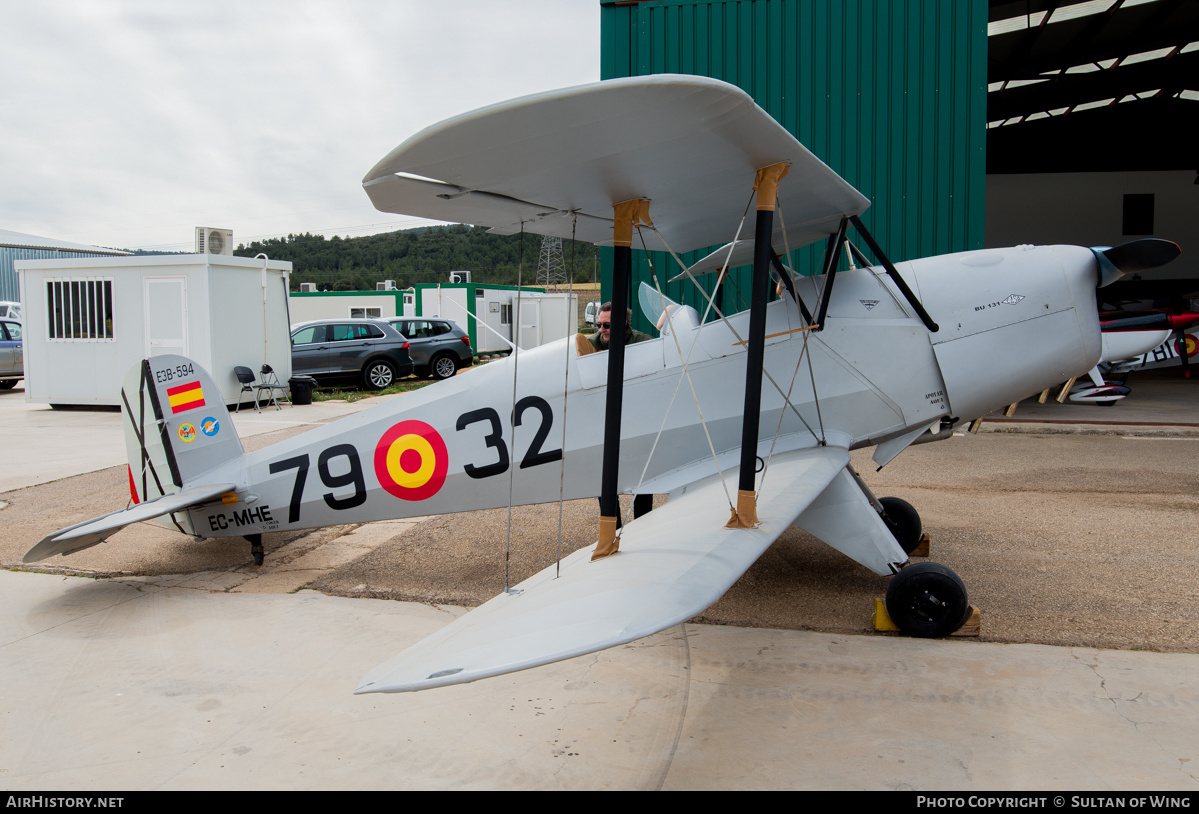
x: 310, y: 305
x: 485, y: 312
x: 89, y: 320
x: 546, y: 317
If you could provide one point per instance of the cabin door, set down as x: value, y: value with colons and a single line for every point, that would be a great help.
x: 166, y: 315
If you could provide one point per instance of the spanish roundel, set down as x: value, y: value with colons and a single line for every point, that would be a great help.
x: 411, y: 461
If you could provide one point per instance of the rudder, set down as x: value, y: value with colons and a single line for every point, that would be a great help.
x: 176, y: 426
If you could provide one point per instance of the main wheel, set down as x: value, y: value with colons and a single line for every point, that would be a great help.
x: 443, y: 366
x: 378, y: 374
x: 903, y: 521
x: 927, y: 600
x: 8, y: 384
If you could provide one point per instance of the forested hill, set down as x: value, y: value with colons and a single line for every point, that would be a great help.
x: 424, y: 255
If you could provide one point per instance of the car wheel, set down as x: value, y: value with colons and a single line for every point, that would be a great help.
x: 443, y: 367
x: 378, y: 375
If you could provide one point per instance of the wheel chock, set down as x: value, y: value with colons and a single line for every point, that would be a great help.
x: 921, y: 549
x: 882, y: 621
x: 972, y: 626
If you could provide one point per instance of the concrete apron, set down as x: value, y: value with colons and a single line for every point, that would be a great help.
x: 112, y: 684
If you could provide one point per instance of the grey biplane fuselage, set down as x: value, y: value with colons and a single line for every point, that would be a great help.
x: 1012, y: 322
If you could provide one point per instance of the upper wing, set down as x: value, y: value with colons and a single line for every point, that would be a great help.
x: 690, y: 144
x: 673, y: 563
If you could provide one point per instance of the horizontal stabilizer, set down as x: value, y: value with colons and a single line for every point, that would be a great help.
x: 673, y: 564
x: 98, y: 529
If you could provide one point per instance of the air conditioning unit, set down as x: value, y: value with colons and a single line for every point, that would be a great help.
x: 386, y: 285
x: 214, y: 241
x: 459, y: 276
x: 307, y: 287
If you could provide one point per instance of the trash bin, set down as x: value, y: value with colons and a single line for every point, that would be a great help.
x: 301, y: 389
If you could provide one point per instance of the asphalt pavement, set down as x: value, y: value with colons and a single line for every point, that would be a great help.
x: 154, y: 663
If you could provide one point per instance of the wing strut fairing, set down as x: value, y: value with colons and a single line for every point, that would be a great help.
x: 766, y: 182
x: 627, y: 215
x: 674, y: 562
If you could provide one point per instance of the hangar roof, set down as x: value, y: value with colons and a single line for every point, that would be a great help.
x: 1097, y: 85
x: 22, y: 241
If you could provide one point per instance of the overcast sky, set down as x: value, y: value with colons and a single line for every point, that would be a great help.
x: 127, y: 123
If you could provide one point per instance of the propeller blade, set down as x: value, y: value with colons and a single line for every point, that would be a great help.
x: 1142, y: 255
x: 1132, y: 257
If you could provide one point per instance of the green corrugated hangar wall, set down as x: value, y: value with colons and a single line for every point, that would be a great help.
x: 889, y: 93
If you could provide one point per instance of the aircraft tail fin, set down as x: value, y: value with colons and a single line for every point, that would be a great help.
x: 176, y: 426
x: 176, y: 430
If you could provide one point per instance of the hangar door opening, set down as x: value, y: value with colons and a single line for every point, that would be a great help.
x: 165, y: 302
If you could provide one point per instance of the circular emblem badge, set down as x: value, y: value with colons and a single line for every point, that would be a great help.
x: 1187, y: 343
x: 411, y: 461
x: 210, y: 426
x: 187, y: 433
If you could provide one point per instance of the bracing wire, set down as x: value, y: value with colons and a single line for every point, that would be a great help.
x: 520, y: 267
x: 574, y: 219
x: 684, y: 373
x: 723, y: 318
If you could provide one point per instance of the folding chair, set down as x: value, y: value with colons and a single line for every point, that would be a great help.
x: 246, y: 377
x: 270, y: 383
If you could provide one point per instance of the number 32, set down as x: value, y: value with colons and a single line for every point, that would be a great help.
x: 535, y: 456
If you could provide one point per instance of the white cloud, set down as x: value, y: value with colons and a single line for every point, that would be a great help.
x: 127, y: 123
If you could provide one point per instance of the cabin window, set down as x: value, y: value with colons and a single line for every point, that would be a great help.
x: 505, y: 313
x: 79, y: 309
x: 366, y: 313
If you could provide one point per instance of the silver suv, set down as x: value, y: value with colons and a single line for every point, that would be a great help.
x: 12, y: 358
x: 347, y: 350
x: 438, y: 346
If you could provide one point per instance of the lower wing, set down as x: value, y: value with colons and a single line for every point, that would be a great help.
x: 673, y: 563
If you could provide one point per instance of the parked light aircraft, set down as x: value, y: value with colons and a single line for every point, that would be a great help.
x: 1135, y: 340
x: 745, y: 420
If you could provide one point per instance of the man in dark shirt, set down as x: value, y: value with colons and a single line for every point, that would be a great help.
x: 603, y: 336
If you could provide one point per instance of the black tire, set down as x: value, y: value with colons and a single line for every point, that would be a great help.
x: 378, y: 374
x: 903, y: 521
x: 1110, y: 403
x: 8, y: 384
x: 443, y: 366
x: 927, y: 600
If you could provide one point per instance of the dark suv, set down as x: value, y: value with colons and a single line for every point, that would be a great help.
x: 438, y: 346
x: 347, y: 350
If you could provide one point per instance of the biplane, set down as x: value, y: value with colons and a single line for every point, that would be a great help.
x: 746, y: 420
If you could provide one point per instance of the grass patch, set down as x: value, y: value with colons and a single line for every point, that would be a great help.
x: 354, y: 393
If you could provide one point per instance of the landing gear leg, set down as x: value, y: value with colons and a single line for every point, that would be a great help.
x: 256, y: 547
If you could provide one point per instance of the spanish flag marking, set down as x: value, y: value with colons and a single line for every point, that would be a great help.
x: 185, y: 397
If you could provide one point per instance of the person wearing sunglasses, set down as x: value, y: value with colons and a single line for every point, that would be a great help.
x: 602, y: 337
